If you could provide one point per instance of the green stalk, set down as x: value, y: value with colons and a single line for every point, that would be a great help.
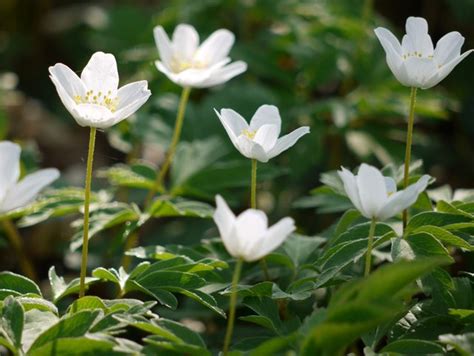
x: 253, y: 185
x: 368, y: 256
x: 87, y: 198
x: 232, y: 306
x: 159, y: 183
x: 17, y: 243
x: 406, y: 172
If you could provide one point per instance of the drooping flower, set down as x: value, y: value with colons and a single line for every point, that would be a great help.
x: 414, y: 62
x: 376, y: 196
x: 189, y: 64
x: 13, y: 193
x: 259, y: 140
x: 94, y: 99
x: 248, y: 236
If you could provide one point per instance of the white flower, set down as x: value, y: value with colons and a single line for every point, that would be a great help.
x: 94, y: 100
x: 248, y: 236
x: 14, y: 194
x: 376, y: 196
x: 415, y: 63
x: 259, y: 140
x: 189, y: 64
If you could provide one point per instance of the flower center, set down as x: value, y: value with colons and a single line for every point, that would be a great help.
x: 99, y: 98
x: 417, y: 55
x: 249, y: 133
x: 178, y: 65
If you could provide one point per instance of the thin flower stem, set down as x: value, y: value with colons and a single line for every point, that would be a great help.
x: 17, y: 244
x: 87, y: 198
x: 159, y: 183
x: 406, y: 172
x: 253, y: 185
x: 368, y: 256
x: 232, y: 306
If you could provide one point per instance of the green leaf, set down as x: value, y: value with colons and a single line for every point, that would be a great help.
x: 299, y: 247
x: 12, y: 321
x: 18, y: 283
x: 409, y: 346
x: 180, y: 207
x: 75, y: 346
x: 445, y: 236
x: 87, y: 303
x: 434, y: 219
x: 424, y: 244
x: 140, y: 176
x: 169, y: 280
x: 36, y: 322
x: 62, y: 289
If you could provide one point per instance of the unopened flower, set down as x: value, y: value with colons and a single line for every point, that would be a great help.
x: 414, y: 62
x: 259, y: 140
x: 189, y: 64
x: 13, y: 193
x: 94, y: 99
x: 248, y: 236
x: 376, y: 196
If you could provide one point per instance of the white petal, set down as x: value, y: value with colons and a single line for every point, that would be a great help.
x: 164, y: 45
x: 287, y: 141
x: 417, y: 38
x: 250, y: 227
x: 372, y: 190
x: 100, y: 73
x: 225, y: 219
x: 222, y: 75
x: 67, y: 83
x: 266, y: 115
x: 448, y: 48
x: 28, y: 188
x: 192, y: 77
x: 403, y: 199
x: 420, y: 71
x: 350, y: 186
x: 273, y: 238
x: 131, y: 97
x: 216, y: 47
x: 185, y: 42
x: 233, y: 123
x: 392, y: 50
x: 93, y: 115
x: 266, y: 136
x: 445, y: 70
x: 390, y: 185
x: 251, y: 149
x: 9, y: 166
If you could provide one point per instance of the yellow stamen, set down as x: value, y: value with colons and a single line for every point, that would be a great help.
x: 249, y: 133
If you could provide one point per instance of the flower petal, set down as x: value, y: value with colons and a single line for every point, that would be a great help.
x: 392, y: 50
x: 93, y: 115
x: 372, y: 190
x: 391, y: 185
x: 131, y: 97
x: 403, y: 199
x: 273, y: 238
x: 216, y: 47
x: 266, y: 115
x: 448, y: 48
x: 233, y: 123
x: 164, y: 45
x: 445, y: 70
x: 350, y: 186
x: 185, y: 42
x: 223, y: 74
x: 420, y: 72
x: 417, y: 38
x: 251, y: 149
x: 9, y: 166
x: 250, y: 227
x: 287, y: 141
x: 266, y: 136
x: 225, y: 219
x: 100, y: 73
x: 28, y: 188
x: 67, y: 83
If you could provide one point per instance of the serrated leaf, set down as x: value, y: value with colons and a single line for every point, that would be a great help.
x: 18, y: 283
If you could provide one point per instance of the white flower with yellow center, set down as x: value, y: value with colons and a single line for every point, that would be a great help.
x: 376, y: 196
x: 248, y: 236
x: 94, y: 99
x: 189, y: 64
x: 414, y: 62
x: 13, y: 193
x: 259, y: 140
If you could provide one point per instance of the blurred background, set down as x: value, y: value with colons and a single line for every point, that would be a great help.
x: 318, y: 61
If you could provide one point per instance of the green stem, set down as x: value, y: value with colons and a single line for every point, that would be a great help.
x: 17, y: 243
x: 87, y: 198
x: 253, y: 185
x: 406, y: 171
x: 368, y: 256
x: 233, y: 303
x: 172, y: 149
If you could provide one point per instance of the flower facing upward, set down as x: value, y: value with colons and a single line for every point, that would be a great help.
x: 94, y: 99
x: 248, y: 236
x: 14, y: 194
x: 376, y: 196
x: 259, y: 140
x: 189, y: 64
x: 415, y: 63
